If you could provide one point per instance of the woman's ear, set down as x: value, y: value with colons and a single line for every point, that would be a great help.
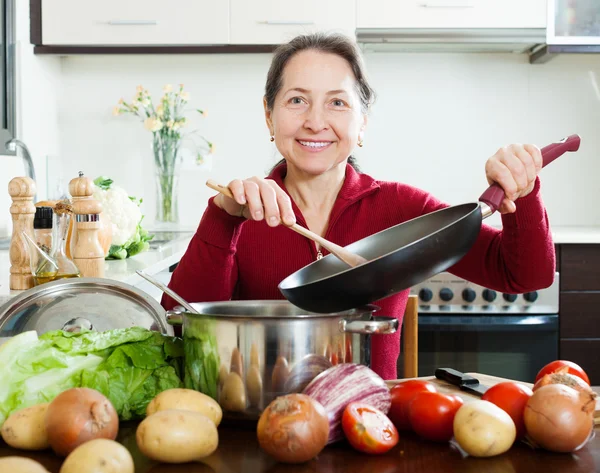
x: 268, y: 119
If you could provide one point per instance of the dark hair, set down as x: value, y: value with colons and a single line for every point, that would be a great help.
x: 331, y: 43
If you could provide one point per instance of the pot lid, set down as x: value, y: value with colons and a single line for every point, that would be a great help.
x: 72, y: 304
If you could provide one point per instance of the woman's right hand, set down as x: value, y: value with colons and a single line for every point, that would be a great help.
x: 257, y: 199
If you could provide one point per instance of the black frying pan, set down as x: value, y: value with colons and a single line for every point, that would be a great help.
x: 401, y: 256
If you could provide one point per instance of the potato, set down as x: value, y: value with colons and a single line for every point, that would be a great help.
x: 21, y: 465
x: 187, y: 400
x: 99, y: 456
x: 177, y: 436
x: 482, y: 429
x: 25, y: 429
x: 233, y: 395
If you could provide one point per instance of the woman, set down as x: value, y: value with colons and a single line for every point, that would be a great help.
x: 316, y: 103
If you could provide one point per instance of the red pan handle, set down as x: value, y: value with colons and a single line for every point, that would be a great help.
x: 494, y: 195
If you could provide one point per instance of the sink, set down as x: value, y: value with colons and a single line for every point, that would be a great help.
x: 162, y: 237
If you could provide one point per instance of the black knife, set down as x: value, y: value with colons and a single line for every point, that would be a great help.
x: 463, y: 381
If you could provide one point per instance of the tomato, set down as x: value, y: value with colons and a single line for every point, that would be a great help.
x: 368, y: 429
x: 402, y: 394
x: 431, y: 415
x: 511, y: 397
x: 574, y: 369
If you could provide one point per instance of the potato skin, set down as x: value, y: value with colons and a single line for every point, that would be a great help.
x: 25, y: 429
x: 482, y: 429
x: 99, y: 456
x: 21, y: 465
x: 177, y: 436
x: 187, y: 400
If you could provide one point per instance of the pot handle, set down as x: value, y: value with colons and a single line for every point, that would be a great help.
x: 377, y: 325
x: 175, y: 316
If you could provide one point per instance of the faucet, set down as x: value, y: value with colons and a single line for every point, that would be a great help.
x: 12, y: 145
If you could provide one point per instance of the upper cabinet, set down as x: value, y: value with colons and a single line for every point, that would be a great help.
x: 134, y: 22
x: 451, y: 13
x: 278, y: 21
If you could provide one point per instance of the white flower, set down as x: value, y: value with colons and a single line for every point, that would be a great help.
x: 153, y: 124
x: 185, y: 96
x: 167, y: 88
x: 139, y: 89
x: 160, y: 110
x: 170, y: 124
x: 116, y: 110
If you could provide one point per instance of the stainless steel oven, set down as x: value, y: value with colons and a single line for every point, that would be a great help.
x: 474, y: 329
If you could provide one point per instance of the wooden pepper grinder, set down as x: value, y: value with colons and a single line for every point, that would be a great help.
x: 22, y: 191
x: 88, y: 254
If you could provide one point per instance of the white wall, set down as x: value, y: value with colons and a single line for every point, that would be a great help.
x: 437, y: 118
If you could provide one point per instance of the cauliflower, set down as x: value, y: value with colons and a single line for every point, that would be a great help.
x: 128, y: 236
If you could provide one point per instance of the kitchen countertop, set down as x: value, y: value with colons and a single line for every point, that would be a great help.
x: 159, y: 258
x: 239, y: 452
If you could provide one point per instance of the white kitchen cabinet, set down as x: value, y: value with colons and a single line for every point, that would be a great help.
x: 135, y: 22
x: 277, y: 21
x: 451, y: 14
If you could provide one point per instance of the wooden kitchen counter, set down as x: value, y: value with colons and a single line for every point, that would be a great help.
x: 239, y: 452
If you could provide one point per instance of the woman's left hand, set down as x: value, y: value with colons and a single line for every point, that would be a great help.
x: 514, y: 168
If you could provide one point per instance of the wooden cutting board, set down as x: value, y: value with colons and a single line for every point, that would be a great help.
x: 445, y: 387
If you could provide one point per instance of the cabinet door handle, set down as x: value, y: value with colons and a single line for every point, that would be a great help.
x: 434, y: 4
x: 133, y: 22
x: 286, y: 22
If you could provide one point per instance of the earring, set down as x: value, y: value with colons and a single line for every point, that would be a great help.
x: 272, y: 138
x: 360, y: 143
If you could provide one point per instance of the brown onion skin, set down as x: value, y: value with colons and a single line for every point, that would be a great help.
x: 562, y: 377
x: 293, y: 429
x: 559, y: 418
x: 78, y: 415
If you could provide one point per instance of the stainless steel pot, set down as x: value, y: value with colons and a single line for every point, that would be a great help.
x: 246, y: 353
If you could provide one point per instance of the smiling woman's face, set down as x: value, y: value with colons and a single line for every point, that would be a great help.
x: 317, y: 117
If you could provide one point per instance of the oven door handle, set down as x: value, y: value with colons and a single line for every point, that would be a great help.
x: 488, y: 323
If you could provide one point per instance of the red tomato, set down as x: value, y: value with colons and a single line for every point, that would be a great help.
x: 511, y: 397
x: 402, y: 394
x: 368, y: 429
x: 574, y: 369
x: 431, y: 415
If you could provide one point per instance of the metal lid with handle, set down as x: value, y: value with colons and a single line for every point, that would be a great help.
x: 82, y: 303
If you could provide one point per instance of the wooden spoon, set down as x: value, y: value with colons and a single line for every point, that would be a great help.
x: 346, y: 256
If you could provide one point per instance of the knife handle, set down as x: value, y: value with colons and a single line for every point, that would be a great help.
x: 455, y: 377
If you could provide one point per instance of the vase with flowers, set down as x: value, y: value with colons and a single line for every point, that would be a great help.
x: 166, y: 121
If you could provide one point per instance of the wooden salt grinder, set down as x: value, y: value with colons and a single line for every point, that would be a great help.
x: 22, y: 210
x: 88, y: 254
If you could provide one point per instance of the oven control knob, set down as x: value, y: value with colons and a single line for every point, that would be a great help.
x: 469, y: 295
x: 510, y: 297
x: 530, y: 296
x: 425, y: 295
x: 488, y: 295
x: 446, y: 294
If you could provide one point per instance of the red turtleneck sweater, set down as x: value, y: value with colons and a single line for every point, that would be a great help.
x: 233, y: 258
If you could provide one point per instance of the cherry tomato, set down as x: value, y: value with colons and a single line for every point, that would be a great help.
x: 402, y: 394
x: 368, y: 429
x: 431, y: 415
x: 511, y: 397
x: 574, y: 369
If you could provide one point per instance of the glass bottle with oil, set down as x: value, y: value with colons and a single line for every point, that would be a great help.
x: 56, y: 265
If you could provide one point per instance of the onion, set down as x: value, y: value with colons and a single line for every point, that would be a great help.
x: 562, y: 376
x: 293, y: 428
x: 559, y: 418
x: 78, y: 415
